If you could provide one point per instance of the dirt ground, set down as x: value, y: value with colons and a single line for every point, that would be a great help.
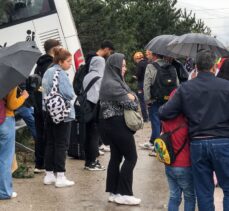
x: 88, y: 193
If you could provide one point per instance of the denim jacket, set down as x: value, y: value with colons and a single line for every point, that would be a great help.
x: 65, y: 88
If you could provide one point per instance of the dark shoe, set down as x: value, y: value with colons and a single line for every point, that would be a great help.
x: 153, y: 154
x: 95, y: 166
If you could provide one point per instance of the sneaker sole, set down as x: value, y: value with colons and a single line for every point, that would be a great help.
x: 49, y: 183
x: 147, y: 148
x: 117, y: 202
x: 38, y: 172
x: 63, y: 186
x: 89, y: 169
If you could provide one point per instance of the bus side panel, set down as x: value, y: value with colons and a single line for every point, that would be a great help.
x: 66, y: 19
x: 17, y: 33
x: 48, y: 27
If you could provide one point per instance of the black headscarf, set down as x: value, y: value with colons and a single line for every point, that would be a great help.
x: 113, y: 87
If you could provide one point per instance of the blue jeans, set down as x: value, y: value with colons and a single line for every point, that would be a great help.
x: 180, y: 180
x: 27, y: 115
x: 208, y: 156
x: 7, y: 149
x: 155, y: 121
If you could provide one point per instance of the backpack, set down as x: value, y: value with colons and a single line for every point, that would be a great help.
x: 57, y: 107
x: 85, y: 110
x: 80, y: 74
x: 164, y: 148
x: 2, y: 111
x: 165, y: 82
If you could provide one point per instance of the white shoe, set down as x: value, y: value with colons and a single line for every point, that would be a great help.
x: 101, y: 152
x: 14, y: 195
x: 112, y: 197
x: 127, y: 200
x: 62, y: 182
x: 37, y: 171
x: 147, y: 145
x: 105, y: 148
x: 49, y: 179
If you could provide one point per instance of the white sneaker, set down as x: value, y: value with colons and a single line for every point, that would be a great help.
x: 37, y: 171
x: 147, y: 145
x: 62, y: 182
x: 101, y: 152
x: 112, y: 197
x: 49, y: 179
x: 127, y: 200
x: 14, y: 195
x: 105, y: 148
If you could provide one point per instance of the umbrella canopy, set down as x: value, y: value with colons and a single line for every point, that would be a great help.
x: 16, y: 63
x: 158, y: 45
x: 190, y: 44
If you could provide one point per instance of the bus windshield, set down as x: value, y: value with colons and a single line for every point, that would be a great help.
x: 15, y: 11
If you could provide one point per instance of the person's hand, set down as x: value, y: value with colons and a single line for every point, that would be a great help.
x: 25, y: 94
x: 131, y: 96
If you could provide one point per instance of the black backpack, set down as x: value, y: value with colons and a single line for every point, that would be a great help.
x: 78, y: 79
x: 85, y: 110
x: 80, y: 74
x: 165, y: 82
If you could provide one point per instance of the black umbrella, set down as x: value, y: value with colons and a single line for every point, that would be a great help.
x: 16, y: 63
x: 158, y: 45
x: 190, y: 44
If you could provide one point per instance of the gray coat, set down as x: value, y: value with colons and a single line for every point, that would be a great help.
x: 149, y: 80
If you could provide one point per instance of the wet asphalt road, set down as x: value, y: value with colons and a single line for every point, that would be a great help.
x: 88, y: 193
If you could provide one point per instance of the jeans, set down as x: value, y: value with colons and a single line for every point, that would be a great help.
x: 143, y: 105
x: 208, y: 156
x: 180, y: 180
x: 155, y: 121
x: 7, y: 150
x: 27, y: 115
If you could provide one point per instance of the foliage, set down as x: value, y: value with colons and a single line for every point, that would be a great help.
x: 130, y: 24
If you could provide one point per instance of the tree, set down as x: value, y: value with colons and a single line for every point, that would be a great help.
x: 130, y: 24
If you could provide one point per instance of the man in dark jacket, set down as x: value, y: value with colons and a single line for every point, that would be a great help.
x: 43, y: 64
x: 204, y: 102
x: 141, y: 64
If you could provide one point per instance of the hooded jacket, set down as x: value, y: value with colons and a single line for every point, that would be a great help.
x: 96, y: 68
x: 43, y: 64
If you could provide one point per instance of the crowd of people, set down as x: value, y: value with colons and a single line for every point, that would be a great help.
x: 190, y: 99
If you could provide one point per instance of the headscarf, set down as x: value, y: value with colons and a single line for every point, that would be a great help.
x: 113, y: 87
x: 96, y: 68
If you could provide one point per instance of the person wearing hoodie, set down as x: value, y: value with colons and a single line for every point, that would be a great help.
x: 96, y: 69
x: 43, y: 63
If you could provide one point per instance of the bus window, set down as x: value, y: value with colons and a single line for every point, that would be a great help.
x: 15, y: 11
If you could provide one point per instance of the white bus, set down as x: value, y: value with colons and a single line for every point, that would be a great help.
x: 40, y: 20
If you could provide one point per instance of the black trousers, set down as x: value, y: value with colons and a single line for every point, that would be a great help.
x: 91, y: 145
x: 122, y: 145
x: 58, y: 136
x: 40, y: 142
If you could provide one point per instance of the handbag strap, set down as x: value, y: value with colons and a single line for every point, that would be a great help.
x: 91, y: 84
x: 186, y: 140
x: 55, y: 82
x: 181, y: 148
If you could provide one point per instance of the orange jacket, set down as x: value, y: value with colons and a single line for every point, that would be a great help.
x: 12, y: 102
